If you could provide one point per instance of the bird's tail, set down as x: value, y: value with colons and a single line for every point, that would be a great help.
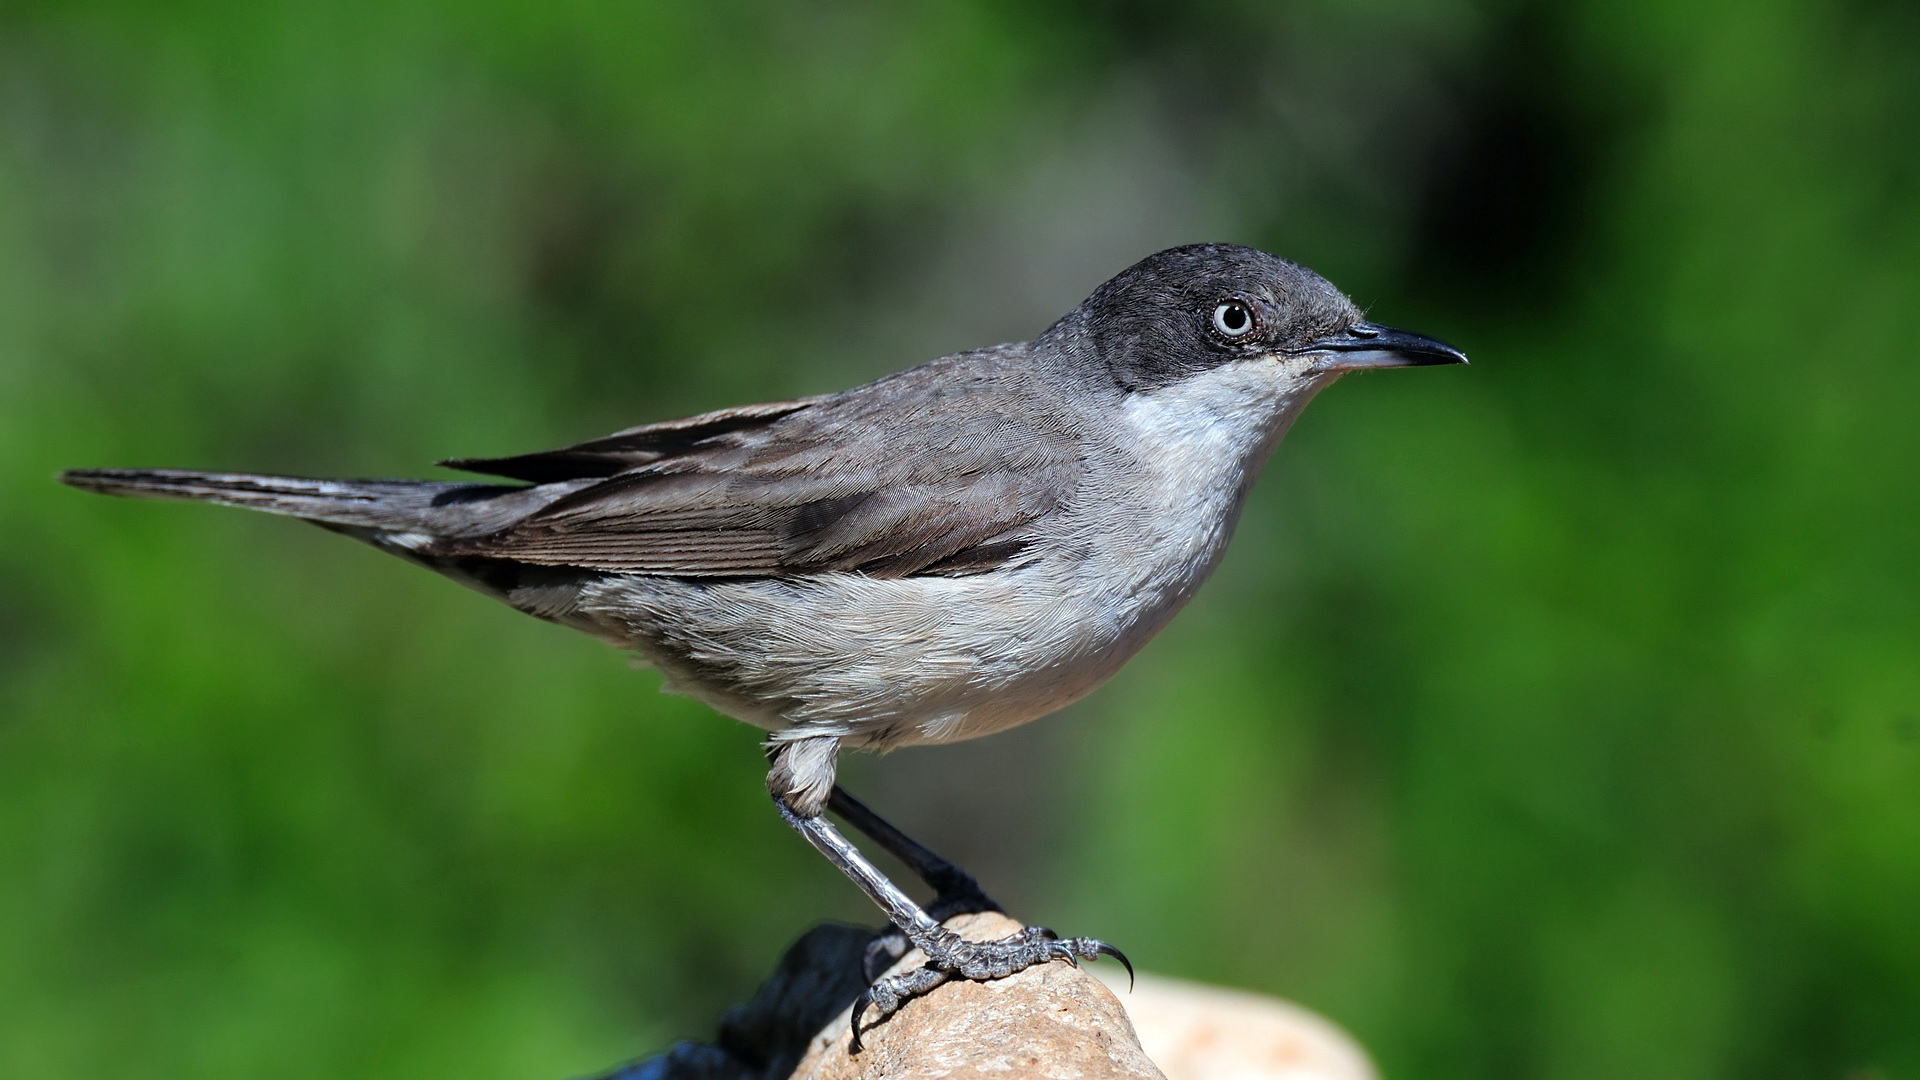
x: 429, y: 508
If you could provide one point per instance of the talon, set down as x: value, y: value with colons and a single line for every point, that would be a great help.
x: 853, y: 1025
x: 1101, y: 948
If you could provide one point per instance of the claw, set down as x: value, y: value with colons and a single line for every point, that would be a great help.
x: 853, y: 1025
x: 1105, y: 949
x: 1063, y: 950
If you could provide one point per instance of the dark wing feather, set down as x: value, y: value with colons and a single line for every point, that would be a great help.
x: 631, y: 448
x: 886, y: 485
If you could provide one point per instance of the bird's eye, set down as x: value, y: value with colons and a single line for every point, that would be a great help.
x: 1233, y: 319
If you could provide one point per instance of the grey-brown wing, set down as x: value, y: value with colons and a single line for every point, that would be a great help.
x: 915, y: 493
x: 632, y: 448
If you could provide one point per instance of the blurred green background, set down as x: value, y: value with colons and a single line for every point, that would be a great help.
x: 1554, y: 717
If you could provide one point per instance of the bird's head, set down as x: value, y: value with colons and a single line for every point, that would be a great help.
x: 1187, y: 312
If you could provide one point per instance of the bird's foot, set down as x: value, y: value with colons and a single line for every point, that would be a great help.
x: 950, y: 956
x: 963, y: 896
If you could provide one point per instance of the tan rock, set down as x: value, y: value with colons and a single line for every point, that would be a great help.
x: 1052, y: 1021
x: 1196, y: 1032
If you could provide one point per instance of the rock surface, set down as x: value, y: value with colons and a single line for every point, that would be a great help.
x: 1196, y: 1032
x: 1049, y: 1021
x: 1052, y: 1021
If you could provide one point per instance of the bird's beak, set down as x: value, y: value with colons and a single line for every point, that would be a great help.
x: 1364, y: 345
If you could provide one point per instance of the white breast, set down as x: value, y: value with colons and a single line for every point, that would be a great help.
x: 1198, y: 445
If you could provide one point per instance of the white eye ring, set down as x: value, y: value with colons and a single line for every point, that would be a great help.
x: 1233, y: 319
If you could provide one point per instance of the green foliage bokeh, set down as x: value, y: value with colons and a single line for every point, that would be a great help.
x: 1556, y: 717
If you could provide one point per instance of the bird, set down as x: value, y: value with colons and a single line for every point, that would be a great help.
x: 936, y: 555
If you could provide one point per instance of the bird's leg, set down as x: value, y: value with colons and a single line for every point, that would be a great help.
x: 801, y: 782
x: 953, y: 887
x: 956, y: 892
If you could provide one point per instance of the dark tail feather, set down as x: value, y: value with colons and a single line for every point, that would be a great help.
x: 431, y: 507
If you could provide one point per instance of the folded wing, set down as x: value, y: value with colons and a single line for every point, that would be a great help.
x: 889, y: 488
x: 632, y: 448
